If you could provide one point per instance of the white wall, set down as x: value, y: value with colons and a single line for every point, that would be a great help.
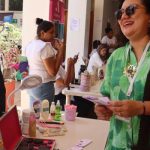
x: 98, y: 18
x: 33, y: 9
x: 77, y: 37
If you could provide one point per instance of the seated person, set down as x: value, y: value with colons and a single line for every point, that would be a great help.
x: 110, y: 40
x: 98, y: 59
x: 63, y: 79
x: 96, y: 44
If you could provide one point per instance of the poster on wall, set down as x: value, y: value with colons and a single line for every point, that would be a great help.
x: 74, y: 24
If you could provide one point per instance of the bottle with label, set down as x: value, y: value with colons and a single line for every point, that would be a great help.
x: 45, y: 110
x: 52, y: 110
x: 32, y: 125
x: 58, y: 111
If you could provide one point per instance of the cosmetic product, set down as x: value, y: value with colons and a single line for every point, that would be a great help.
x: 32, y: 125
x: 58, y: 111
x: 52, y: 110
x: 44, y: 110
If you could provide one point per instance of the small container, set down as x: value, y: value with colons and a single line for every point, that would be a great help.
x: 26, y: 115
x: 44, y: 110
x: 37, y: 108
x: 52, y: 110
x: 82, y: 69
x: 93, y: 79
x: 25, y: 128
x: 32, y: 125
x: 85, y: 83
x: 70, y: 112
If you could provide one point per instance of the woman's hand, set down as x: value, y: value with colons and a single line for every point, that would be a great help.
x: 57, y: 44
x: 70, y: 62
x: 102, y: 112
x: 127, y: 108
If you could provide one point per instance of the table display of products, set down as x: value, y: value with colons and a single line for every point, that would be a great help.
x: 77, y: 132
x: 12, y: 137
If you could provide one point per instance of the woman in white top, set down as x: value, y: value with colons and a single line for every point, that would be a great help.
x: 98, y: 58
x: 43, y: 60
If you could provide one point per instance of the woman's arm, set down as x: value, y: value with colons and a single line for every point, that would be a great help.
x: 70, y: 72
x: 52, y: 64
x: 146, y: 107
x: 130, y: 108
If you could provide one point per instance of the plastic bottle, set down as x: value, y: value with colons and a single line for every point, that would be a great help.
x: 32, y: 125
x: 82, y: 69
x: 45, y: 110
x: 58, y: 111
x: 52, y: 110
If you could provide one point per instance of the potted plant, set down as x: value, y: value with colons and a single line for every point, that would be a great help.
x: 10, y: 50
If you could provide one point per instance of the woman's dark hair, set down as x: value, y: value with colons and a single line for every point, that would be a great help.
x: 146, y: 3
x: 107, y: 30
x: 96, y: 43
x: 101, y: 46
x: 121, y: 39
x: 43, y: 25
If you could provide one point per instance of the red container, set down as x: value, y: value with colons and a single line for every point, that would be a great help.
x: 11, y: 132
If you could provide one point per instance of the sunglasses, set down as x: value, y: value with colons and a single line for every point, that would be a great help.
x: 129, y: 11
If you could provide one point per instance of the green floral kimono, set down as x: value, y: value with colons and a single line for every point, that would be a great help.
x: 115, y: 85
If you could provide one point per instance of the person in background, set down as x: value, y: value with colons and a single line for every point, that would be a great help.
x: 127, y: 81
x: 63, y: 79
x: 98, y: 59
x: 43, y: 60
x: 96, y: 44
x: 2, y: 94
x: 110, y: 40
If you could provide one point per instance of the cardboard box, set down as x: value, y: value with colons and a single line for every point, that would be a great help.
x: 14, y: 140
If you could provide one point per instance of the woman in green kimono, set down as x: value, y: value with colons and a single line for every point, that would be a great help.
x: 127, y: 81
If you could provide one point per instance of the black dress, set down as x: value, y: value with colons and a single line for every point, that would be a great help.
x: 144, y: 132
x: 2, y: 94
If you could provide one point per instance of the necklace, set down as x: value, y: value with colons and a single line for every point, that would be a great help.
x: 132, y: 70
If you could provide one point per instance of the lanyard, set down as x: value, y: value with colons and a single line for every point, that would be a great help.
x: 138, y: 68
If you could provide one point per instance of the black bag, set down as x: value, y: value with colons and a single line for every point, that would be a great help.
x: 2, y: 94
x: 144, y: 132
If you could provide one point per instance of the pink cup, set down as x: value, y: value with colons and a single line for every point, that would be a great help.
x: 70, y: 112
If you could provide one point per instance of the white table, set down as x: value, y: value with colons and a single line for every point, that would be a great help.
x: 83, y: 128
x: 75, y: 91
